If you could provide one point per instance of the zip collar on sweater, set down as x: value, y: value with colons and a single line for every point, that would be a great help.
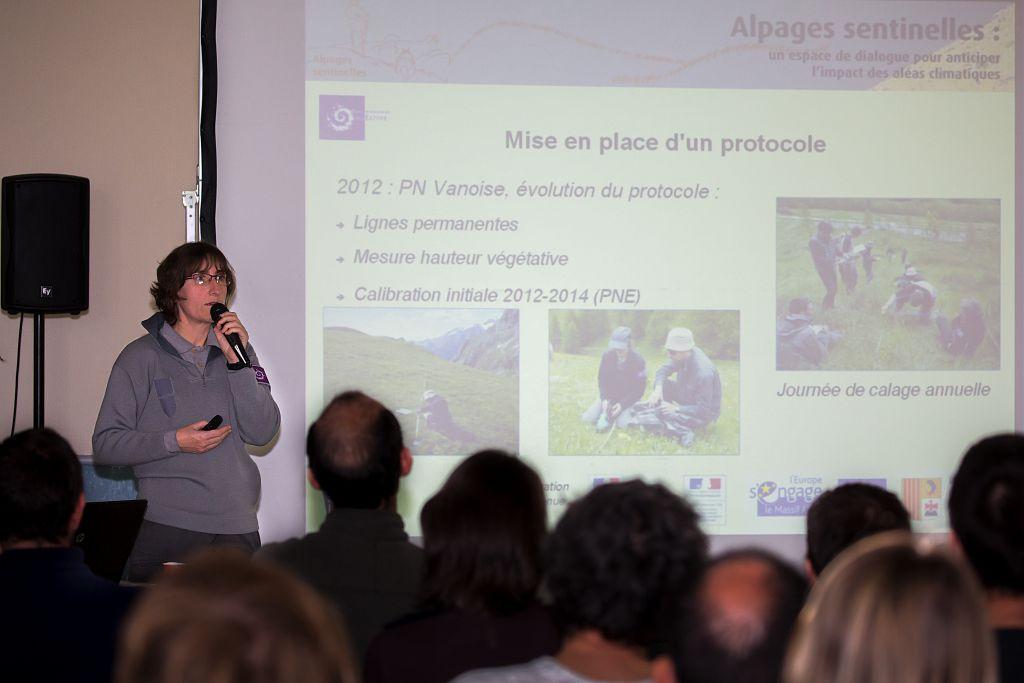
x: 152, y: 325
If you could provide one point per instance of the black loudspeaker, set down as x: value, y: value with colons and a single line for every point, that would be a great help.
x: 44, y: 244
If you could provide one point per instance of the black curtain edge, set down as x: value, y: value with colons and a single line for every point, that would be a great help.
x: 208, y: 121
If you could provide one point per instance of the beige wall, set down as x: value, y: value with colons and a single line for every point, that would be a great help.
x: 106, y: 89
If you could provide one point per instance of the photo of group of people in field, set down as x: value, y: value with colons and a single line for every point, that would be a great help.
x: 887, y: 284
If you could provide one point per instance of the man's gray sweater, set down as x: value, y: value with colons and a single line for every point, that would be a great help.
x: 153, y: 391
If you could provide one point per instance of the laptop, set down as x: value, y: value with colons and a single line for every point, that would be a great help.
x: 107, y: 535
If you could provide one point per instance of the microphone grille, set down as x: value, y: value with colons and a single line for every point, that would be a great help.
x: 217, y: 310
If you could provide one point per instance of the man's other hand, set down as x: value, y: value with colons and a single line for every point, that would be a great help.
x: 192, y: 439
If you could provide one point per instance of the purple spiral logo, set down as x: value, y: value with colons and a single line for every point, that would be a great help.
x: 342, y: 117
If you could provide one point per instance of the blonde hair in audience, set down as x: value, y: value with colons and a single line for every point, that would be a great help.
x: 890, y: 611
x: 225, y: 619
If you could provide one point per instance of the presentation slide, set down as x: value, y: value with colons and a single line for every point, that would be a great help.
x: 751, y: 250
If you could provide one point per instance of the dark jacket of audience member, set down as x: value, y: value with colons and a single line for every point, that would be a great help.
x: 743, y: 614
x: 840, y: 517
x: 620, y: 564
x: 986, y: 511
x: 361, y: 557
x: 222, y: 618
x: 58, y: 621
x: 482, y: 536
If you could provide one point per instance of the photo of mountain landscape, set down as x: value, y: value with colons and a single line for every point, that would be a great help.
x: 450, y: 375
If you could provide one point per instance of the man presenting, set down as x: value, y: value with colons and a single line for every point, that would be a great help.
x: 165, y: 387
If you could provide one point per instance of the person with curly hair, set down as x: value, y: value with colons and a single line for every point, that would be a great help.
x: 621, y: 563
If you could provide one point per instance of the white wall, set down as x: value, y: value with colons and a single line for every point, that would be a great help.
x: 106, y: 90
x: 260, y: 224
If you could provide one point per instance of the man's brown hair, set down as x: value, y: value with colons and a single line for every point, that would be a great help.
x: 225, y: 618
x: 178, y: 266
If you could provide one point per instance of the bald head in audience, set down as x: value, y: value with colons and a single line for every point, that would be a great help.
x: 356, y: 452
x: 360, y: 557
x: 743, y: 613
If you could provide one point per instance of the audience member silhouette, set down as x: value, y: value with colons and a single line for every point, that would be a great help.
x: 361, y: 557
x: 625, y: 570
x: 482, y: 536
x: 58, y: 621
x: 224, y: 618
x: 888, y: 611
x: 840, y: 517
x: 744, y: 612
x: 619, y: 564
x: 986, y: 511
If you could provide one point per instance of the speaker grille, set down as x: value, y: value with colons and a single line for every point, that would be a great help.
x: 45, y: 244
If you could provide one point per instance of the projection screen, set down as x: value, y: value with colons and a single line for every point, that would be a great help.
x: 750, y: 250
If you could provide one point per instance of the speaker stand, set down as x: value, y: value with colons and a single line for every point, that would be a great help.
x: 38, y: 360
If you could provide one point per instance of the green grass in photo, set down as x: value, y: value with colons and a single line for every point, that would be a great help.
x: 872, y: 341
x: 572, y: 383
x: 397, y: 372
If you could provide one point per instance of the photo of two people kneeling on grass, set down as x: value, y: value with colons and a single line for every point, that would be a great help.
x: 644, y: 382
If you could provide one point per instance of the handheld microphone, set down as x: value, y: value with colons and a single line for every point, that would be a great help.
x: 216, y: 311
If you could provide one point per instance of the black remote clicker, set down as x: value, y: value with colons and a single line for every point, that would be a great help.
x: 213, y: 423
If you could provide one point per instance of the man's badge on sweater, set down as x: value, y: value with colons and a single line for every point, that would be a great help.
x: 261, y: 375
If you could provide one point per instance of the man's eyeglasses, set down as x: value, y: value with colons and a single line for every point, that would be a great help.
x: 203, y: 279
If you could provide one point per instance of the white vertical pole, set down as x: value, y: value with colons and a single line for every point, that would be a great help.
x: 191, y: 198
